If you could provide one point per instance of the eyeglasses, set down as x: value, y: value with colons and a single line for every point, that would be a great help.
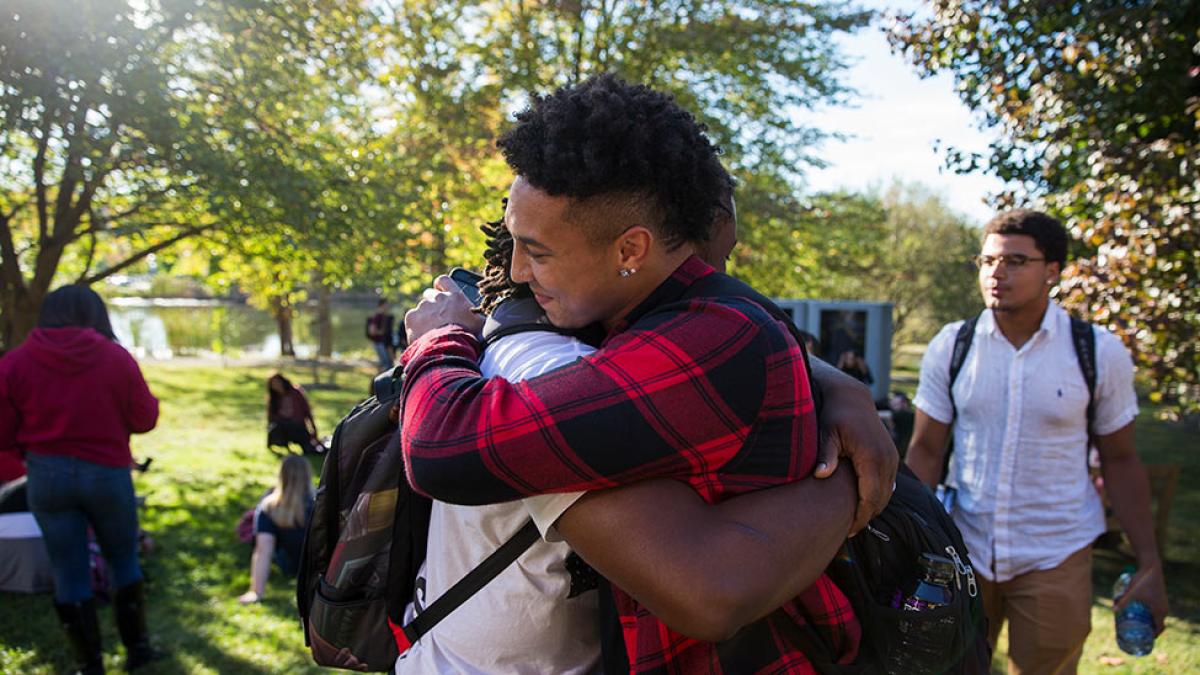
x: 1013, y: 261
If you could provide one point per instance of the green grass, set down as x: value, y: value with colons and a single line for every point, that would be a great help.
x: 210, y: 464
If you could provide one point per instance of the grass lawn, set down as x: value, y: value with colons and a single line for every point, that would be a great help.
x: 210, y: 464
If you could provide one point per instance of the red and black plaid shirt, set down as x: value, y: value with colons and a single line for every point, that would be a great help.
x: 708, y: 390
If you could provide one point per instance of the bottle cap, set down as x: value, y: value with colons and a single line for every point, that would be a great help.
x: 936, y: 568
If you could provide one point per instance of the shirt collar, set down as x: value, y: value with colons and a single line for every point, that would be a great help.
x: 668, y: 291
x: 1050, y: 320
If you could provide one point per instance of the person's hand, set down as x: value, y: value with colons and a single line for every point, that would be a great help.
x: 441, y: 305
x: 248, y: 597
x: 1150, y: 586
x: 850, y: 427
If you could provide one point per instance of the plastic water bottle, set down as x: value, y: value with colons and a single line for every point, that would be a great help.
x: 1135, y: 624
x: 933, y: 590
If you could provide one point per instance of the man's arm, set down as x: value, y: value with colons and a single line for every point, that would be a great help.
x: 470, y: 440
x: 850, y: 427
x: 927, y: 450
x: 707, y: 570
x: 1128, y: 491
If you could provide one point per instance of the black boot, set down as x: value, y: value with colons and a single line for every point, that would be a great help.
x: 83, y: 630
x: 130, y: 606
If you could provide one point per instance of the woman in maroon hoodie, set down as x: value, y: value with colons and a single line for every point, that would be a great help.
x: 70, y: 396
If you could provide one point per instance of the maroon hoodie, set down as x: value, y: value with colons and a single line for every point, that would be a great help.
x: 72, y: 391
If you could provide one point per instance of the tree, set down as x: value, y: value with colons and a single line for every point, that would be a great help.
x: 456, y: 69
x: 126, y: 128
x: 901, y: 245
x: 926, y: 269
x: 1099, y: 108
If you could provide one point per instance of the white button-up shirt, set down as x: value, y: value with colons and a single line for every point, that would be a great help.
x: 1025, y: 501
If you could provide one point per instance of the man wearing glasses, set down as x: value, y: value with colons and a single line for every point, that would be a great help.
x: 1019, y: 408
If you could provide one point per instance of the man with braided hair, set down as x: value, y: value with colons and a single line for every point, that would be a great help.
x: 616, y: 189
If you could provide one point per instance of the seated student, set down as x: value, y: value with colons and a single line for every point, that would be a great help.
x: 289, y: 416
x: 280, y: 520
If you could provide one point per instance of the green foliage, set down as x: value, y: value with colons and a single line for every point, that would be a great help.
x: 903, y: 245
x: 454, y: 71
x: 1099, y: 108
x: 320, y: 143
x: 126, y: 128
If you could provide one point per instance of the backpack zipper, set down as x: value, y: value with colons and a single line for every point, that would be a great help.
x: 965, y: 570
x: 878, y: 534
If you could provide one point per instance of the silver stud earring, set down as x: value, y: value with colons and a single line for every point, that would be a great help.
x: 628, y: 271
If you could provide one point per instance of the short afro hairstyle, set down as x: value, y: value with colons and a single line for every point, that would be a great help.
x: 1048, y: 233
x: 606, y: 137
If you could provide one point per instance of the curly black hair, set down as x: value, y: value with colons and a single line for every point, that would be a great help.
x: 1048, y: 233
x: 607, y: 138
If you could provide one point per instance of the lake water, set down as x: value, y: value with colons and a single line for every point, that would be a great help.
x: 164, y: 328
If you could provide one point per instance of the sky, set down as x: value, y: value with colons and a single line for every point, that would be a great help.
x: 894, y: 123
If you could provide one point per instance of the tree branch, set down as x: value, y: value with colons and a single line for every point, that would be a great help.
x: 39, y: 174
x: 140, y: 255
x: 10, y: 268
x: 91, y: 255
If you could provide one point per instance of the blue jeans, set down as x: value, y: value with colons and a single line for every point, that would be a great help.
x: 381, y: 353
x: 68, y: 494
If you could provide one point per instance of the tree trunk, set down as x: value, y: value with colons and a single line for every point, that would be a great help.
x: 283, y: 319
x: 18, y: 315
x: 324, y: 321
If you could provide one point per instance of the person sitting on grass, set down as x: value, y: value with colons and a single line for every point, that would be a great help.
x: 289, y: 416
x: 280, y: 520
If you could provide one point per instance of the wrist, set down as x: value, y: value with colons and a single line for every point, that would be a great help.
x: 1148, y: 559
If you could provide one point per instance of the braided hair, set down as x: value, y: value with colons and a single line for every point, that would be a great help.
x: 497, y: 284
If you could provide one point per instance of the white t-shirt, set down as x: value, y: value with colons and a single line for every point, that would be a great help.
x: 522, y: 621
x: 1025, y: 501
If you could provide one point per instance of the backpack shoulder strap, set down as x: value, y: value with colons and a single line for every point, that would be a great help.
x: 962, y: 345
x: 524, y: 328
x: 1084, y: 339
x: 469, y: 585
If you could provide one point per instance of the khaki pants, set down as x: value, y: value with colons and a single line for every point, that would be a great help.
x: 1049, y: 616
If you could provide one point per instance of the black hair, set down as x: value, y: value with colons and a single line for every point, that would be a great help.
x: 75, y: 305
x: 273, y: 397
x: 1047, y: 232
x: 606, y: 137
x: 497, y: 283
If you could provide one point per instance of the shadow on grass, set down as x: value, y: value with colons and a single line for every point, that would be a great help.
x: 193, y: 578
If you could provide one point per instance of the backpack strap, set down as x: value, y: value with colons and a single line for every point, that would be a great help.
x: 505, y: 331
x: 469, y: 585
x: 962, y: 345
x: 1084, y: 339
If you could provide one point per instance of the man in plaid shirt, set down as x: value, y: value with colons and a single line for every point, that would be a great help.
x: 711, y: 391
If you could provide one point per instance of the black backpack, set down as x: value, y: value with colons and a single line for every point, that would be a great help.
x: 366, y: 541
x: 883, y: 559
